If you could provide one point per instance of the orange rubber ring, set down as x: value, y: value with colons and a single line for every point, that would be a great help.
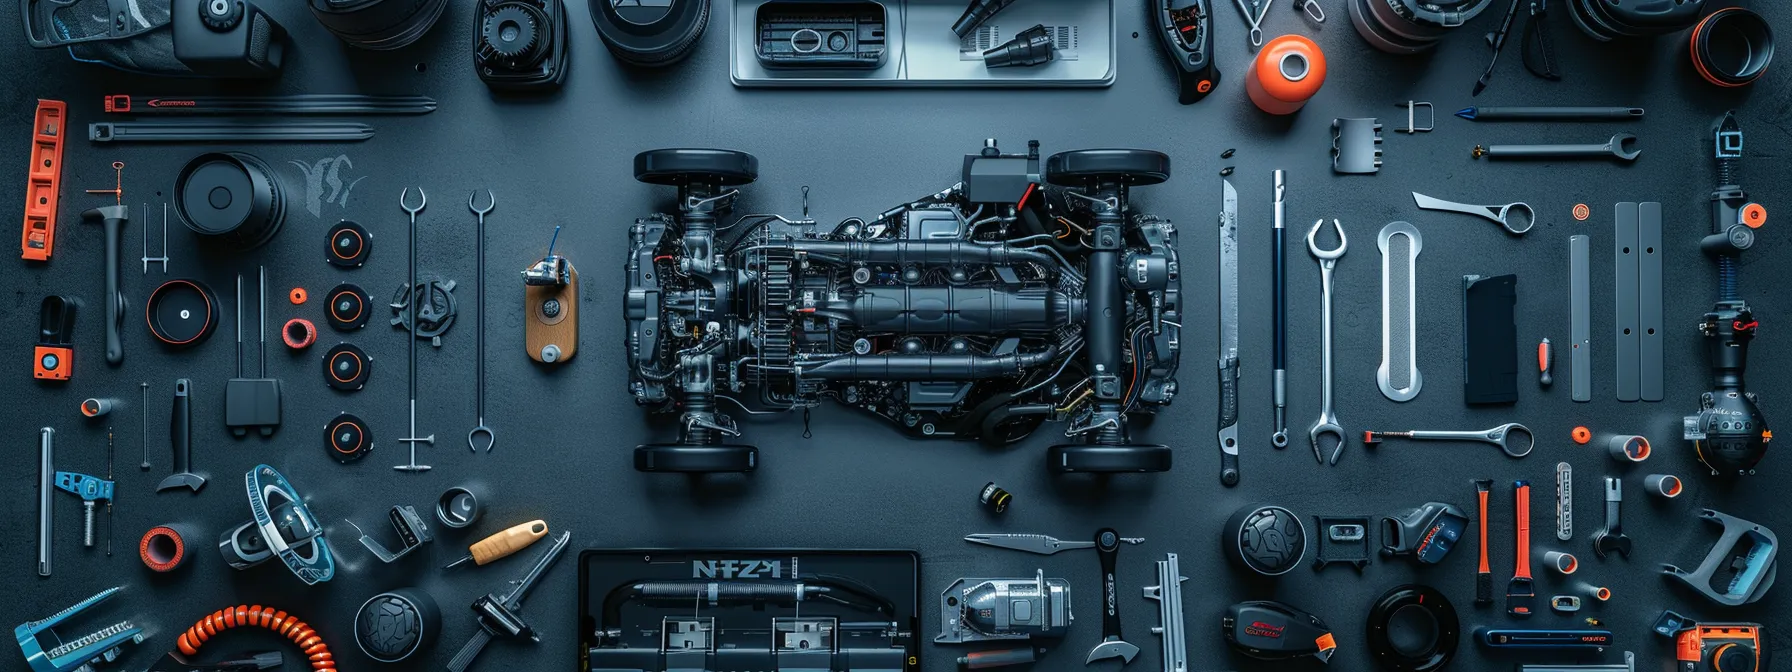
x: 316, y: 652
x: 1582, y: 435
x: 1582, y: 212
x: 297, y: 296
x: 1754, y: 215
x: 155, y: 552
x: 1287, y: 72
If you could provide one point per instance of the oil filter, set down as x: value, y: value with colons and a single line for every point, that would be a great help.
x: 394, y: 625
x: 378, y: 24
x: 182, y: 313
x: 1732, y: 47
x: 1287, y: 72
x: 1269, y: 540
x: 1410, y: 26
x: 231, y: 199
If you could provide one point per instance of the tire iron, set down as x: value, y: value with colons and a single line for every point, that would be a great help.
x: 1484, y: 573
x: 1520, y: 592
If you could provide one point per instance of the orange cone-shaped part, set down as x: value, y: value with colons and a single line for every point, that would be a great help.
x: 1287, y: 72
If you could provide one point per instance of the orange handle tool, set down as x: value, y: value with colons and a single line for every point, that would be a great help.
x: 1520, y: 591
x: 504, y: 543
x: 1484, y: 573
x: 1546, y: 359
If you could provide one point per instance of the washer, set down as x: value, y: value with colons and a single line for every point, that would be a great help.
x: 182, y: 313
x: 348, y: 307
x: 347, y: 368
x: 348, y: 438
x: 348, y: 246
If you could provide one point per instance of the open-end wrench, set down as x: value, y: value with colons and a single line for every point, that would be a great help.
x: 1611, y: 538
x: 1328, y: 261
x: 1621, y: 146
x: 1107, y: 545
x: 1500, y: 436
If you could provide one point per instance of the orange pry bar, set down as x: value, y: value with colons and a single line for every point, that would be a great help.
x: 44, y: 180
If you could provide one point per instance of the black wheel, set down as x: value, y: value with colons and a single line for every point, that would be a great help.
x: 1089, y: 459
x: 1134, y: 167
x: 682, y: 459
x: 678, y: 167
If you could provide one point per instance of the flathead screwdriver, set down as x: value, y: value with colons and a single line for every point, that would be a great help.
x: 504, y: 543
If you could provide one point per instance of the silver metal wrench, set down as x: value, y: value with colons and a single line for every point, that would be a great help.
x: 1328, y: 261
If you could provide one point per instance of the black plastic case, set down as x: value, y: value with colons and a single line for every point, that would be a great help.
x: 830, y: 35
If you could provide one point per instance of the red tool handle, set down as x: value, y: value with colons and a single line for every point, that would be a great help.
x: 1523, y: 500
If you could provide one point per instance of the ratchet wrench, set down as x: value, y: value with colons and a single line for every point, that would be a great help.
x: 1500, y: 436
x: 1503, y: 215
x: 1328, y: 261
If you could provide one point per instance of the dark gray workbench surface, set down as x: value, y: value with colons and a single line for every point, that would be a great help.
x: 565, y: 434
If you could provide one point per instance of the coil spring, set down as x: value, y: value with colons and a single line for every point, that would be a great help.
x: 316, y: 652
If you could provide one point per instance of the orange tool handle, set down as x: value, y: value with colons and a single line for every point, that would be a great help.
x: 1523, y: 571
x: 1484, y: 569
x: 509, y: 541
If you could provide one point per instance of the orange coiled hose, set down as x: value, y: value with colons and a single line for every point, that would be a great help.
x: 291, y: 628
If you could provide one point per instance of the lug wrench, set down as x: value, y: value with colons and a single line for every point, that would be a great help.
x: 1611, y: 538
x: 1621, y: 146
x: 1500, y: 436
x: 1107, y: 546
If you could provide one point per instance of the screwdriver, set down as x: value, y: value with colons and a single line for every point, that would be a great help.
x: 504, y: 543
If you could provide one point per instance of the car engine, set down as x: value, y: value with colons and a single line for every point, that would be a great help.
x: 1018, y: 296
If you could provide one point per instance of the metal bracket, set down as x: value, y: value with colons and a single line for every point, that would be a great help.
x: 1356, y: 146
x: 1168, y: 593
x: 1412, y: 126
x: 1648, y: 302
x: 1564, y: 501
x: 1397, y: 324
x: 1580, y: 318
x: 412, y: 532
x: 1626, y: 357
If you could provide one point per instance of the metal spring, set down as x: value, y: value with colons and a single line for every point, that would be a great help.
x: 291, y: 628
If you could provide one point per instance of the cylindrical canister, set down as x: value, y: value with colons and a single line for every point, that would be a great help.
x: 1287, y: 72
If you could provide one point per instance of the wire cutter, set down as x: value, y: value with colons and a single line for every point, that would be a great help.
x: 1036, y: 543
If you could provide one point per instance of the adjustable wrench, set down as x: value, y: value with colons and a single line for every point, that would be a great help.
x: 1107, y: 545
x: 1611, y: 537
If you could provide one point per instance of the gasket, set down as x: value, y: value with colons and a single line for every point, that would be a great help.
x: 348, y: 245
x: 348, y: 438
x: 1342, y: 539
x: 348, y: 307
x: 181, y: 313
x: 347, y: 368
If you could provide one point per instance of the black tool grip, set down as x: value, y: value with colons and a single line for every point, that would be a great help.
x: 1279, y: 358
x: 180, y: 427
x: 1229, y: 423
x: 1107, y: 547
x: 114, y: 218
x: 1484, y: 588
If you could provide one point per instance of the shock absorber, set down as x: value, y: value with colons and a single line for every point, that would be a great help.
x: 1729, y: 433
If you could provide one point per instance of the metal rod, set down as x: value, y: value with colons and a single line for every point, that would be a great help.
x: 46, y: 506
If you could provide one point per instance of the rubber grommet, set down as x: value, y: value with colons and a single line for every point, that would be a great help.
x: 162, y: 549
x: 349, y: 245
x: 1754, y: 215
x: 347, y: 368
x: 1583, y: 435
x: 1582, y: 212
x: 299, y: 333
x: 349, y: 307
x: 348, y: 438
x: 297, y: 296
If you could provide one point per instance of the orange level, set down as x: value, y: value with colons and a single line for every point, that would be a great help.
x: 45, y: 180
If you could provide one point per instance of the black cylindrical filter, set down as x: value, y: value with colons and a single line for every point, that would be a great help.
x: 230, y: 198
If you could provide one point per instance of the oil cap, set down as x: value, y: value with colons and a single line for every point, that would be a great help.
x: 1270, y: 540
x: 391, y: 626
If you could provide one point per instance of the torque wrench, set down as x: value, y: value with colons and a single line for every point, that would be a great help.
x: 1280, y: 289
x: 46, y: 507
x: 1520, y: 591
x: 1483, y: 572
x: 1621, y: 146
x: 1500, y: 436
x: 1228, y: 325
x: 1036, y: 543
x: 1549, y: 113
x: 1384, y: 376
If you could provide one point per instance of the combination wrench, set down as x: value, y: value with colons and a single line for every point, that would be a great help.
x: 1501, y: 436
x: 1622, y: 146
x: 1328, y: 261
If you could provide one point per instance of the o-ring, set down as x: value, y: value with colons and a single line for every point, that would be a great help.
x: 162, y: 549
x: 299, y: 333
x: 297, y: 296
x: 1413, y: 628
x: 1731, y: 47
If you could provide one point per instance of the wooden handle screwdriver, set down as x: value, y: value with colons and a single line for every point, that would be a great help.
x: 504, y: 543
